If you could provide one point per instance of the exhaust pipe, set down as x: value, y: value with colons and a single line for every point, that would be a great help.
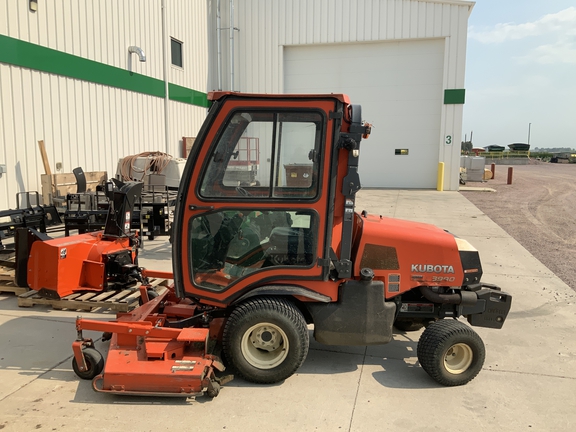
x: 464, y: 298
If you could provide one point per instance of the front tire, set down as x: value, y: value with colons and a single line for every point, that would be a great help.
x: 265, y: 340
x: 451, y: 352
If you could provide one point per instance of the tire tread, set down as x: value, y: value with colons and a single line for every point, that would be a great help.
x: 264, y: 305
x: 434, y: 342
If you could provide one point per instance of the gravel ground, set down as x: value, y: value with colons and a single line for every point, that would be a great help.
x: 538, y: 209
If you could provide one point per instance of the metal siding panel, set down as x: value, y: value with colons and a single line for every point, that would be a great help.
x: 353, y: 36
x: 96, y: 48
x: 391, y: 20
x: 85, y: 124
x: 446, y: 11
x: 129, y: 143
x: 437, y: 20
x: 79, y: 143
x: 421, y: 20
x: 104, y: 121
x: 22, y: 23
x: 100, y: 150
x: 430, y: 10
x: 8, y: 152
x: 285, y: 21
x: 77, y: 24
x: 20, y: 138
x: 66, y: 107
x: 274, y: 44
x: 331, y: 16
x: 269, y: 53
x: 338, y: 21
x: 316, y: 21
x: 375, y: 23
x: 47, y: 130
x: 33, y: 27
x: 461, y: 24
x: 115, y: 42
x: 382, y: 21
x: 300, y: 27
x: 85, y: 131
x: 406, y: 9
x: 68, y: 27
x: 324, y: 12
x: 4, y: 18
x: 55, y: 118
x: 59, y: 24
x: 414, y: 14
x: 12, y: 27
x: 360, y: 20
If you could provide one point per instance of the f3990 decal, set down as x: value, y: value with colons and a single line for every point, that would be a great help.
x: 443, y: 278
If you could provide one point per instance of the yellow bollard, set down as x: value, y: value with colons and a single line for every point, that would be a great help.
x: 440, y: 182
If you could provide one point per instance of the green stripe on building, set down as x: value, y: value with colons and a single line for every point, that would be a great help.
x: 28, y: 55
x: 186, y: 95
x: 454, y: 96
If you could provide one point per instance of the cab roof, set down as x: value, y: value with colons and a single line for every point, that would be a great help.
x: 216, y: 95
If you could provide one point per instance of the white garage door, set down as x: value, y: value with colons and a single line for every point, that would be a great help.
x: 399, y: 85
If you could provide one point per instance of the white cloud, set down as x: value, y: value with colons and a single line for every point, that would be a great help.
x: 560, y: 52
x: 562, y: 24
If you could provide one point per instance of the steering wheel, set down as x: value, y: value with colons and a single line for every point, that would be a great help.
x: 242, y: 191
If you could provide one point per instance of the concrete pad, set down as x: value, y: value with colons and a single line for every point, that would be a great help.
x: 527, y: 382
x: 476, y: 189
x: 390, y: 399
x: 30, y: 346
x: 321, y: 396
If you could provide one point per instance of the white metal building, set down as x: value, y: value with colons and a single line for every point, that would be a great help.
x: 69, y: 77
x: 402, y: 60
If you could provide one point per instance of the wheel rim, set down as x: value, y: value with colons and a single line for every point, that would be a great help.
x: 265, y: 345
x: 458, y: 358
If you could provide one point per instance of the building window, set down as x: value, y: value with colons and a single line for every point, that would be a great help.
x: 176, y: 47
x: 401, y: 152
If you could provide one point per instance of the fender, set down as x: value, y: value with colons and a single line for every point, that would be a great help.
x: 285, y: 290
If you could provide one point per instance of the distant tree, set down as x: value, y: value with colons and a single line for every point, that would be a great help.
x: 467, y: 146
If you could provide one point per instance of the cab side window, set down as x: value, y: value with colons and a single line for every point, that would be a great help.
x: 230, y: 244
x: 264, y: 155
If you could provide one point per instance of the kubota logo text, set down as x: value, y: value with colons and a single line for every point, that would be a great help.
x: 429, y: 268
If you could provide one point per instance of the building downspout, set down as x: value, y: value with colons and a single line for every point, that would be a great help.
x: 219, y: 43
x: 166, y: 90
x: 232, y: 45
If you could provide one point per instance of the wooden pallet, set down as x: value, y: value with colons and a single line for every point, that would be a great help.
x: 119, y: 301
x: 7, y: 283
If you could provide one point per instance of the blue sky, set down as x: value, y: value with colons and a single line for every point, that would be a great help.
x: 521, y: 69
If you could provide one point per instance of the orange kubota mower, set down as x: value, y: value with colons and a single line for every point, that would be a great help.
x: 267, y: 241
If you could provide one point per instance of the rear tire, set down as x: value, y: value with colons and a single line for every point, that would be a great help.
x: 451, y: 352
x: 265, y: 340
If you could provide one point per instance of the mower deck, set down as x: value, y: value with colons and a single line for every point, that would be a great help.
x: 147, y: 358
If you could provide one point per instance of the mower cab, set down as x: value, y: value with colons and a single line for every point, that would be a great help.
x: 267, y: 240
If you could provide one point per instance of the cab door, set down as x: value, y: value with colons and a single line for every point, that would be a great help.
x: 254, y: 198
